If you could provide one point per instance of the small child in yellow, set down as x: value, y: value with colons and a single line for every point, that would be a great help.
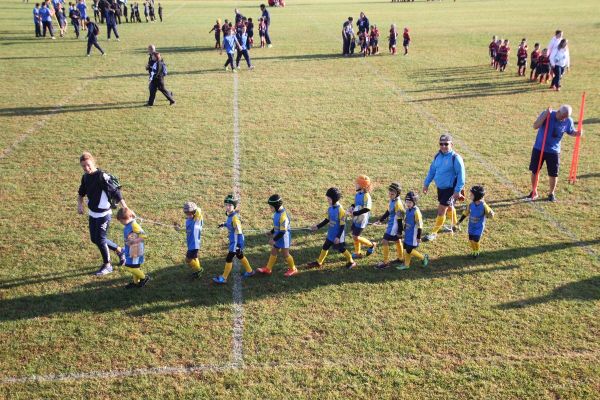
x: 413, y: 228
x: 134, y: 248
x: 193, y: 231
x: 336, y: 233
x: 360, y: 211
x: 236, y: 241
x: 280, y: 238
x: 477, y: 211
x: 393, y: 230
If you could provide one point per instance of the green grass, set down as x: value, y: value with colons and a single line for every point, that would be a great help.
x: 522, y: 321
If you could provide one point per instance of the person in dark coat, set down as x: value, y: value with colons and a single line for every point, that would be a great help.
x: 157, y: 80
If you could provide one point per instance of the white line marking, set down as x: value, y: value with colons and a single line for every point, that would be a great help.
x: 238, y: 300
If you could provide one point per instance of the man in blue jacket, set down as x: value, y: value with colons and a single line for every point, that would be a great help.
x: 447, y: 170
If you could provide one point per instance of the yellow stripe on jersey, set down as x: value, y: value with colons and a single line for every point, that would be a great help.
x: 418, y: 219
x: 283, y: 222
x: 237, y: 224
x: 138, y: 229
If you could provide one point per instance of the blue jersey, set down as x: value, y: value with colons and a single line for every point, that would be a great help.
x: 193, y: 230
x: 229, y: 44
x: 447, y: 171
x: 281, y: 223
x: 556, y: 130
x: 337, y: 221
x: 36, y: 15
x: 396, y: 210
x: 134, y: 252
x: 362, y: 200
x: 234, y: 228
x: 82, y: 10
x: 412, y: 223
x: 477, y: 214
x: 243, y: 40
x: 45, y: 14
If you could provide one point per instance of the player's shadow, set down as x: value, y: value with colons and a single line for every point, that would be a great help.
x: 299, y: 57
x: 19, y: 111
x: 179, y: 49
x: 583, y: 290
x: 590, y: 175
x: 171, y: 287
x: 590, y: 121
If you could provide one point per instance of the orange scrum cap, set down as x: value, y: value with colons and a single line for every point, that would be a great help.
x: 364, y: 182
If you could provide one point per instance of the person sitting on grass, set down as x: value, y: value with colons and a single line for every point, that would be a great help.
x: 336, y: 232
x: 236, y: 241
x: 193, y: 231
x: 134, y: 248
x: 477, y: 211
x: 280, y: 238
x: 393, y: 231
x: 413, y: 228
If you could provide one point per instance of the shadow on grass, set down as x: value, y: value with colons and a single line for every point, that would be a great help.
x: 37, y: 279
x: 590, y: 121
x: 178, y: 49
x: 584, y: 290
x: 300, y: 57
x: 19, y: 111
x: 590, y: 175
x: 145, y: 75
x: 171, y: 287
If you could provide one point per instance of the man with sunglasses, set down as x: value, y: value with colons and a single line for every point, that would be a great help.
x: 447, y: 170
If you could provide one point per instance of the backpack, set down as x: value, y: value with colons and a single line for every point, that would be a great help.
x: 96, y: 30
x: 111, y: 186
x: 164, y: 68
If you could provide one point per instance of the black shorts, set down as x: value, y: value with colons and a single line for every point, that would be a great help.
x: 391, y: 238
x: 542, y: 69
x: 475, y: 238
x: 405, y: 42
x: 356, y: 230
x: 341, y: 247
x: 408, y: 248
x: 522, y: 62
x: 445, y: 196
x: 552, y: 161
x: 533, y: 64
x: 374, y: 42
x: 191, y: 254
x: 492, y: 53
x: 503, y: 62
x: 497, y: 57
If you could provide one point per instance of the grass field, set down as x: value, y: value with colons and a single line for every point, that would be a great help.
x: 521, y: 322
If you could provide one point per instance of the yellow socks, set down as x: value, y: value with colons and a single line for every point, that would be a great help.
x: 322, y: 256
x: 227, y: 270
x: 246, y: 264
x: 407, y: 258
x: 271, y: 262
x: 290, y: 262
x: 137, y: 273
x: 476, y: 246
x: 439, y: 222
x: 386, y: 253
x: 348, y: 256
x: 194, y: 264
x: 357, y: 245
x: 365, y: 241
x: 451, y: 215
x: 418, y: 255
x: 399, y: 250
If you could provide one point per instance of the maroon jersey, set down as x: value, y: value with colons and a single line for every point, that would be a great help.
x: 535, y: 55
x: 374, y: 34
x: 503, y: 52
x: 522, y: 52
x: 544, y: 60
x: 406, y: 36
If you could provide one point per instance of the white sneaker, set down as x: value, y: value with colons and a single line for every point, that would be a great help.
x: 105, y: 270
x: 429, y: 238
x: 447, y: 229
x: 269, y: 46
x: 118, y: 40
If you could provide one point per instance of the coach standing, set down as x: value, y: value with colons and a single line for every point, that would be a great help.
x: 447, y: 170
x: 559, y: 123
x: 94, y: 185
x: 157, y: 80
x: 267, y: 18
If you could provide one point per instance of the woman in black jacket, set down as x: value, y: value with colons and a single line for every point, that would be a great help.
x: 157, y: 80
x: 94, y: 186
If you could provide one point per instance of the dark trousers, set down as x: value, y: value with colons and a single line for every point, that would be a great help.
x: 75, y: 24
x: 93, y: 42
x: 160, y: 16
x: 558, y: 71
x: 48, y: 25
x: 267, y: 37
x: 346, y: 46
x: 159, y: 84
x: 38, y: 29
x: 98, y: 231
x: 239, y: 57
x: 229, y: 61
x: 113, y: 28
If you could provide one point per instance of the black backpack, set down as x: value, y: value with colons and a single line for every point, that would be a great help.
x: 111, y: 186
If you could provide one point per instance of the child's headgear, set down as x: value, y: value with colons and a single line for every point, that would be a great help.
x: 189, y: 207
x: 275, y: 201
x: 334, y: 194
x: 230, y: 199
x: 394, y: 187
x: 363, y: 182
x: 411, y: 196
x: 478, y: 192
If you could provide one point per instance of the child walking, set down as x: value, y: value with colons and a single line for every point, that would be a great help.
x: 503, y: 53
x: 393, y: 38
x: 477, y: 211
x: 360, y: 212
x: 522, y: 57
x: 393, y: 231
x: 413, y: 228
x: 493, y: 50
x: 134, y: 248
x: 280, y: 238
x: 262, y: 29
x: 236, y: 241
x: 336, y: 232
x: 543, y: 67
x: 406, y: 40
x: 230, y: 44
x: 194, y: 223
x: 217, y: 30
x: 374, y: 39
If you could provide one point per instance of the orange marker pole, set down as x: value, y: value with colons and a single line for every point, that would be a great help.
x: 537, y: 174
x: 575, y: 159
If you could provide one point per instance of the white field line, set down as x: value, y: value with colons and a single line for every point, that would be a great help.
x: 346, y: 362
x: 237, y: 359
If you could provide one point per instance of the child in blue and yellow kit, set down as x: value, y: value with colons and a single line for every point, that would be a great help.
x: 236, y: 241
x: 336, y: 219
x: 280, y: 238
x: 194, y: 223
x: 393, y: 231
x: 413, y: 228
x: 360, y: 212
x: 477, y: 211
x: 134, y: 237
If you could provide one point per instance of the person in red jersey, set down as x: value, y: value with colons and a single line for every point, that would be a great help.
x: 493, y: 49
x: 405, y: 40
x: 374, y: 39
x: 503, y: 52
x: 543, y: 67
x: 522, y: 57
x: 535, y: 55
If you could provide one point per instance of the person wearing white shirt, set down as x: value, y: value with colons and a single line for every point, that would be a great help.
x: 559, y: 60
x: 554, y: 42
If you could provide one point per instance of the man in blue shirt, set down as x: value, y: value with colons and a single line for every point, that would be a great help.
x: 447, y: 170
x: 559, y: 123
x: 36, y: 20
x: 46, y: 18
x: 267, y: 18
